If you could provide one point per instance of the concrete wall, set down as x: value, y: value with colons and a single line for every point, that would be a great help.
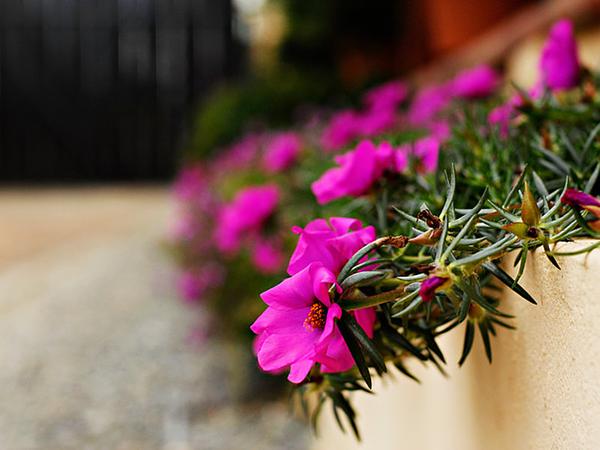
x: 541, y: 392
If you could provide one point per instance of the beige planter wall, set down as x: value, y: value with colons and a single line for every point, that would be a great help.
x: 541, y: 392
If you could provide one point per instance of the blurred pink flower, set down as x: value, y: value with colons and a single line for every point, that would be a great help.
x: 426, y: 150
x: 342, y: 129
x: 193, y: 284
x: 267, y: 256
x: 184, y: 228
x: 190, y: 182
x: 356, y: 172
x: 501, y: 116
x: 331, y: 242
x: 428, y: 102
x: 439, y: 129
x: 477, y: 82
x: 248, y: 211
x: 559, y: 63
x: 240, y: 155
x: 386, y: 96
x: 375, y: 121
x: 282, y: 151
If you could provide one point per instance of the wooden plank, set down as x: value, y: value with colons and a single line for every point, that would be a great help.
x: 135, y: 13
x: 135, y: 55
x: 172, y: 13
x: 172, y: 65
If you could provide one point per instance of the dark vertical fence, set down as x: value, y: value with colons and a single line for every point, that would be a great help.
x: 104, y: 89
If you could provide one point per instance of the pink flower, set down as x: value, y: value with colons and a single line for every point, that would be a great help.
x: 281, y: 153
x: 246, y: 214
x: 501, y: 116
x: 193, y: 284
x: 440, y: 130
x: 343, y: 128
x: 358, y: 170
x: 376, y: 121
x: 578, y: 199
x: 429, y: 102
x: 430, y: 286
x: 573, y: 197
x: 267, y: 256
x: 331, y: 242
x: 184, y: 228
x: 478, y: 82
x: 240, y: 155
x: 190, y: 183
x: 386, y: 96
x: 426, y: 150
x: 298, y: 328
x: 559, y: 64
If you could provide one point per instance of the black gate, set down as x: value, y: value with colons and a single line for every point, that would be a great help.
x: 103, y: 89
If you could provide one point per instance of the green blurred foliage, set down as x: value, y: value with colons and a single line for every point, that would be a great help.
x: 307, y: 73
x: 271, y: 100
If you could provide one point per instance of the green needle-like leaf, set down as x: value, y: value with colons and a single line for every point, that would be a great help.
x: 508, y: 281
x: 468, y: 343
x: 483, y: 329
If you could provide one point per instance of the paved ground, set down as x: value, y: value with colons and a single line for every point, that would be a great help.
x: 93, y: 343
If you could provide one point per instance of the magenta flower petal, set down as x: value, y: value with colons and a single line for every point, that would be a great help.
x: 573, y: 197
x: 343, y: 128
x: 478, y: 82
x: 386, y: 96
x: 292, y: 293
x: 298, y: 328
x: 299, y: 370
x: 281, y: 350
x: 281, y: 152
x: 267, y: 256
x: 281, y: 321
x: 500, y: 117
x: 427, y: 150
x: 374, y: 122
x: 353, y: 177
x: 330, y: 243
x: 248, y: 211
x: 430, y: 286
x: 190, y: 183
x: 428, y: 102
x: 559, y: 63
x: 366, y: 319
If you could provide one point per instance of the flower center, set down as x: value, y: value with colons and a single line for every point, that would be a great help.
x: 316, y: 317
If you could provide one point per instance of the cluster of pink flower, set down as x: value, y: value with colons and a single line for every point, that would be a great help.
x: 211, y: 230
x: 297, y: 329
x: 559, y: 69
x: 207, y: 225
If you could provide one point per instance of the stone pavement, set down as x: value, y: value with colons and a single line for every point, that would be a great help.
x: 93, y: 344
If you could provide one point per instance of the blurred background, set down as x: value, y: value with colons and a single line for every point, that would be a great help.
x: 100, y: 103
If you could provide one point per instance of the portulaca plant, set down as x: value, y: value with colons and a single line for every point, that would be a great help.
x: 428, y: 223
x: 403, y: 213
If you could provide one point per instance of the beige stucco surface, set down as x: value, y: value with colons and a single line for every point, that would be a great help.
x: 541, y: 392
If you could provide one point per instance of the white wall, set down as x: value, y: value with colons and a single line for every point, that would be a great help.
x: 541, y: 392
